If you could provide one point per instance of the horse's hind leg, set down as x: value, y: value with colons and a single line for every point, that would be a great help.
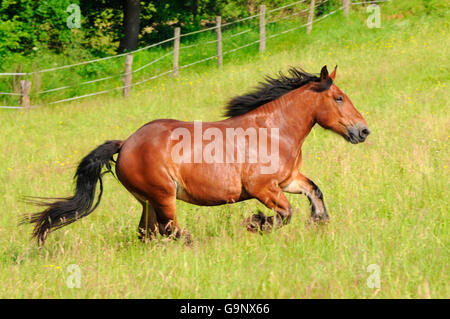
x: 148, y: 225
x: 165, y: 209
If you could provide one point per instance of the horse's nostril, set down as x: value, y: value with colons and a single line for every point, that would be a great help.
x: 364, y: 132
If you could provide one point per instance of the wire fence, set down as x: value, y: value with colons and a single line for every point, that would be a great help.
x: 288, y: 9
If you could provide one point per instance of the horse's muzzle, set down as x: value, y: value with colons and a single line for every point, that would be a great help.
x: 357, y: 134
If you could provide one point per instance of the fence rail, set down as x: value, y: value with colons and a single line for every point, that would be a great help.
x: 106, y: 78
x: 127, y: 74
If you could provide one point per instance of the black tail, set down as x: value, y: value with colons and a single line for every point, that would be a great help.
x: 65, y: 211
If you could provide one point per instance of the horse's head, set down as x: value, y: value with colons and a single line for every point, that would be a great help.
x: 336, y: 112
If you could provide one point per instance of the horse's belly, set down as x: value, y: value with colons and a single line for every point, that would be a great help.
x: 208, y: 200
x: 210, y: 189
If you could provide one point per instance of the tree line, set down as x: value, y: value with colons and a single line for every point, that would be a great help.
x: 110, y: 26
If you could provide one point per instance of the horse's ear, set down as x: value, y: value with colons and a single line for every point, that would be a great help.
x: 325, y: 81
x: 324, y: 73
x: 333, y: 74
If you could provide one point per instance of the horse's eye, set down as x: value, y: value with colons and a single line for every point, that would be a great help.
x: 339, y: 99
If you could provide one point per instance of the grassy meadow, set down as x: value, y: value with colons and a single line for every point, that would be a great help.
x: 386, y: 197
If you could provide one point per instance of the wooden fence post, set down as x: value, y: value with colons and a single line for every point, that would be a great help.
x: 310, y: 16
x: 176, y: 51
x: 25, y: 87
x: 346, y: 5
x: 127, y: 77
x: 262, y: 28
x: 219, y: 41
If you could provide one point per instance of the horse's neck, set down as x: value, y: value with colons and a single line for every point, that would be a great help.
x: 293, y: 114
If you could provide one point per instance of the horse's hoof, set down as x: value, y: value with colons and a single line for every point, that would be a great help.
x: 252, y: 227
x: 266, y: 227
x: 320, y: 219
x: 258, y: 223
x: 254, y: 222
x: 251, y: 224
x: 144, y: 239
x: 187, y: 240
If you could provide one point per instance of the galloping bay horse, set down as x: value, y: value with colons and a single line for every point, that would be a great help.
x: 159, y: 164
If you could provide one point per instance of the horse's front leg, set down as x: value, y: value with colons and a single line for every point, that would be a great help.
x: 303, y: 185
x: 273, y: 198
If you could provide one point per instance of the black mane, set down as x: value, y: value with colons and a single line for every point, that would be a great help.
x: 269, y: 90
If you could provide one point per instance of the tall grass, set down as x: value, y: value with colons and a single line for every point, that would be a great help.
x: 387, y: 197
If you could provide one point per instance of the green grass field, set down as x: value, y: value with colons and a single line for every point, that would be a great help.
x: 386, y: 198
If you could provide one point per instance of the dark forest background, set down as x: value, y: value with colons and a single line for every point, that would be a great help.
x: 107, y: 27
